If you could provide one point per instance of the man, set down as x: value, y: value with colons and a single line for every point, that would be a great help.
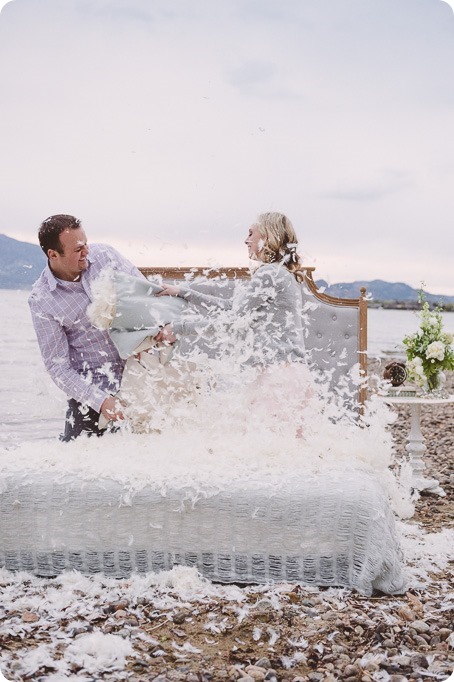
x: 81, y: 359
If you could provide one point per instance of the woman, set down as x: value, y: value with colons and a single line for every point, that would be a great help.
x: 263, y: 324
x: 257, y: 333
x: 270, y: 302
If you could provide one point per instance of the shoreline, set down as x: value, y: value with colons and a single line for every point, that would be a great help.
x: 374, y: 304
x: 407, y: 305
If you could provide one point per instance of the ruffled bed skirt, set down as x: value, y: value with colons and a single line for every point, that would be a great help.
x: 323, y: 529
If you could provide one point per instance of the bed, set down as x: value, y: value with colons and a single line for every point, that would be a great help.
x: 321, y: 527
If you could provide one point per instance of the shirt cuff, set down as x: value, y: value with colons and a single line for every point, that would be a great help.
x: 96, y: 401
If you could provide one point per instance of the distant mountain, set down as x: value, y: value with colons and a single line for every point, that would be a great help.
x: 20, y: 263
x: 380, y: 290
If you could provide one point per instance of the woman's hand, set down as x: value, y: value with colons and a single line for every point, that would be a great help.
x: 169, y: 290
x: 166, y: 335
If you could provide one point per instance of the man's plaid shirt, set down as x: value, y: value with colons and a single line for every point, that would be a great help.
x: 81, y: 359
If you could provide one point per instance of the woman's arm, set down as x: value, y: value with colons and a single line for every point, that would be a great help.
x: 197, y: 297
x: 255, y: 295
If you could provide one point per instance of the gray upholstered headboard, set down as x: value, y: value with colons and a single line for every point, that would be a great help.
x: 337, y: 339
x: 336, y: 328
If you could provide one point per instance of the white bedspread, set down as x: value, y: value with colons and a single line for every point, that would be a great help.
x: 317, y: 528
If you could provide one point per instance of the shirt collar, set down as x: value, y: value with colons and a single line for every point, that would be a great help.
x: 51, y: 280
x: 50, y: 277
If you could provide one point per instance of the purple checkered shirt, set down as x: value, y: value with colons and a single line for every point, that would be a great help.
x: 81, y: 359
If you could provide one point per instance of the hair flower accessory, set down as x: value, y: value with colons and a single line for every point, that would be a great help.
x: 292, y: 249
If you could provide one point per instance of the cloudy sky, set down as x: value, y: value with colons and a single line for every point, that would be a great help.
x: 168, y: 125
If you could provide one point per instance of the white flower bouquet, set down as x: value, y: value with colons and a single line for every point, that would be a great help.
x: 429, y: 350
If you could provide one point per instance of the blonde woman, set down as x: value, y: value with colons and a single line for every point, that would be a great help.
x: 263, y: 323
x: 270, y: 302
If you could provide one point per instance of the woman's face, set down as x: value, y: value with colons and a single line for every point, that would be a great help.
x: 254, y: 242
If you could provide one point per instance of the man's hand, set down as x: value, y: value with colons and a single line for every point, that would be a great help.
x: 169, y: 290
x: 112, y: 409
x: 166, y: 335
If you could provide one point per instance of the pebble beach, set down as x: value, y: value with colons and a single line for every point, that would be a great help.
x: 178, y: 626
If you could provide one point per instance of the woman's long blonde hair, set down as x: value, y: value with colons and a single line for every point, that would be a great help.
x: 280, y: 242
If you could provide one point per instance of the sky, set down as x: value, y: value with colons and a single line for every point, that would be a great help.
x: 167, y: 126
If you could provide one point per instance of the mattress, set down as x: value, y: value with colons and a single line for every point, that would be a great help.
x: 321, y: 528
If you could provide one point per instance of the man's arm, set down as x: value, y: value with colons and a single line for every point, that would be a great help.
x: 54, y: 349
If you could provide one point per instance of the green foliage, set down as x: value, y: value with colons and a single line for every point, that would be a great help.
x: 429, y: 350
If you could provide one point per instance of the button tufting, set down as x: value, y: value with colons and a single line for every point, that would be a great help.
x: 319, y: 336
x: 346, y: 336
x: 334, y: 317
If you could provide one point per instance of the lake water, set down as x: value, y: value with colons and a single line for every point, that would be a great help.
x: 31, y: 405
x: 386, y: 329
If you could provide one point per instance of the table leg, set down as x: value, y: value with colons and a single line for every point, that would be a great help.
x: 416, y: 448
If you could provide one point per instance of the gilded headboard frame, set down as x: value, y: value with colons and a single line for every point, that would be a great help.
x: 176, y: 273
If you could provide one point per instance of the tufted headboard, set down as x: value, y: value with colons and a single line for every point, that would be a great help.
x: 336, y: 336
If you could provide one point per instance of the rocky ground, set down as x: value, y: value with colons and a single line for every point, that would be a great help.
x: 170, y: 632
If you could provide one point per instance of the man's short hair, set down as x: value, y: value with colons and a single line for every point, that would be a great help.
x: 51, y: 229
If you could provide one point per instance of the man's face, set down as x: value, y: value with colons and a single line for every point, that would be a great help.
x: 73, y: 261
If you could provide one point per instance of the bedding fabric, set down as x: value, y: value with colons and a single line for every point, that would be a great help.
x: 321, y: 529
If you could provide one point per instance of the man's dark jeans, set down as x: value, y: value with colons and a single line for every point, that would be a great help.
x: 80, y: 419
